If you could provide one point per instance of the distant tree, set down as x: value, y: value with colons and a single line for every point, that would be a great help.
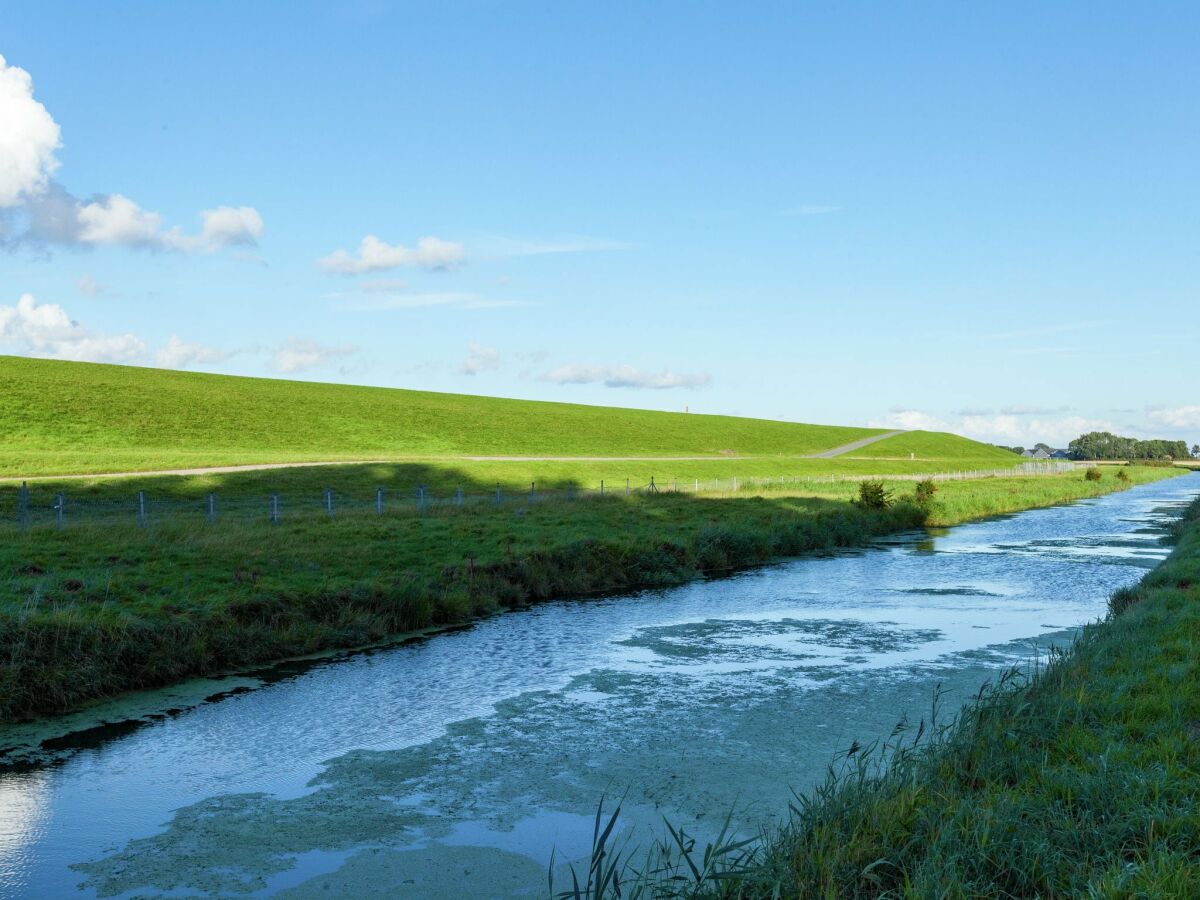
x: 1196, y: 450
x: 1105, y: 445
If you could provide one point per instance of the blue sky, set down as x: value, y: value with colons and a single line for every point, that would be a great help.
x: 978, y: 218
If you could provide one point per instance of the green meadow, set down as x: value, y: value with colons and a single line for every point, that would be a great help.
x: 66, y: 418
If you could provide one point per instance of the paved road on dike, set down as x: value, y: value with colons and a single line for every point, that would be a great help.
x: 258, y: 467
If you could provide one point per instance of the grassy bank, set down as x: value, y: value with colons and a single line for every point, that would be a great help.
x: 90, y: 611
x: 1078, y: 781
x: 66, y: 417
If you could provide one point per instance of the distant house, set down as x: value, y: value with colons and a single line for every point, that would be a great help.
x: 1060, y: 454
x: 1028, y: 454
x: 1039, y: 453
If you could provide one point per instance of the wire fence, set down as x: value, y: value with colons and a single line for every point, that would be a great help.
x: 144, y: 509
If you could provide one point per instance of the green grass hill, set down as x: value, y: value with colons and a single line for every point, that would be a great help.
x: 65, y: 417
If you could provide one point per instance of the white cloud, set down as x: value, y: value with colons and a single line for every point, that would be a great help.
x: 178, y: 354
x: 230, y: 226
x: 46, y: 330
x: 1023, y: 429
x: 910, y: 420
x: 1177, y: 416
x: 116, y: 219
x: 28, y: 139
x: 299, y: 354
x: 40, y: 212
x: 624, y: 377
x: 480, y: 359
x: 375, y: 255
x: 90, y: 287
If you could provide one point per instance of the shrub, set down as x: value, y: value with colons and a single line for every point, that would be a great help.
x: 1122, y: 475
x: 925, y: 491
x: 874, y: 495
x: 1093, y: 473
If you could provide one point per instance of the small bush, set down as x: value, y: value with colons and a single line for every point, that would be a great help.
x: 874, y: 495
x: 1122, y: 475
x: 925, y: 491
x: 1093, y: 473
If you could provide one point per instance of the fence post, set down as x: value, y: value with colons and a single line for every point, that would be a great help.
x: 212, y: 507
x: 458, y: 496
x: 675, y: 486
x: 60, y: 510
x: 601, y: 487
x: 141, y: 509
x: 697, y: 485
x: 626, y: 487
x: 23, y: 506
x: 497, y: 493
x: 735, y: 482
x: 274, y: 509
x: 379, y: 501
x: 329, y: 502
x: 532, y: 491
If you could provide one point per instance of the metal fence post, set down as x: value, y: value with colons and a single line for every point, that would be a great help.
x: 23, y: 506
x: 274, y: 509
x: 60, y: 510
x: 626, y: 487
x: 379, y: 501
x: 421, y: 498
x: 497, y: 493
x: 141, y: 509
x: 329, y: 502
x: 212, y: 508
x: 601, y: 487
x: 532, y: 491
x: 458, y: 496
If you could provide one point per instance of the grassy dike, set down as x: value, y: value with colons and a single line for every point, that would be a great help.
x: 1082, y: 780
x: 93, y: 611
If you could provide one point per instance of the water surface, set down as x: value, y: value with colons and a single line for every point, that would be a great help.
x: 452, y: 767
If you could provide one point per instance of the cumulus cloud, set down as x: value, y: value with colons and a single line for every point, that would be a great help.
x: 28, y: 140
x: 117, y: 220
x: 37, y: 211
x: 299, y: 354
x: 46, y: 330
x: 479, y: 359
x: 375, y: 255
x: 179, y: 354
x: 624, y: 377
x: 1176, y: 416
x: 230, y: 226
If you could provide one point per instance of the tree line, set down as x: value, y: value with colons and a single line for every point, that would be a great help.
x: 1106, y: 445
